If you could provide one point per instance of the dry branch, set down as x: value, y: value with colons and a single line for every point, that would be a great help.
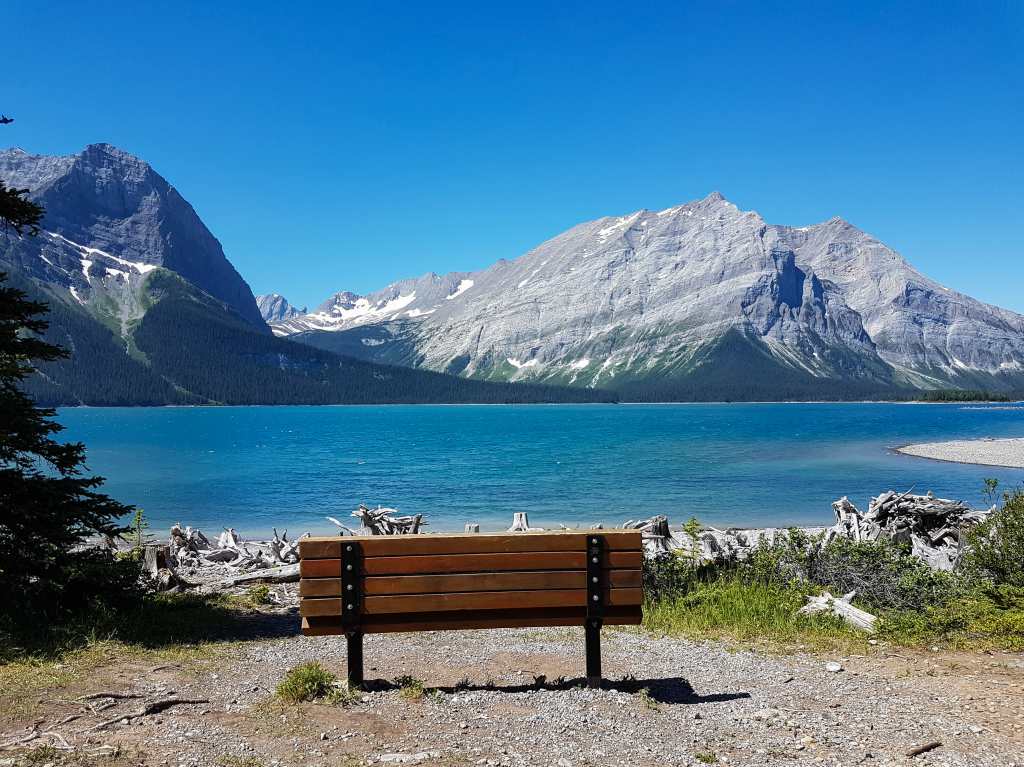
x: 153, y: 707
x: 924, y: 748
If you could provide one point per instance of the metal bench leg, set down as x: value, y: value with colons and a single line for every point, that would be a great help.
x: 355, y: 658
x: 593, y: 642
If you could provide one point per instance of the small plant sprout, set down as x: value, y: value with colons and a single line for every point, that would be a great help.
x: 409, y: 687
x: 649, y: 703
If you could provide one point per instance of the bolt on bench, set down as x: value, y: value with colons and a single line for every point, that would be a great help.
x: 375, y: 584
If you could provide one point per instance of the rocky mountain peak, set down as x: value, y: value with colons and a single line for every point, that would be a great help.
x: 648, y: 296
x: 109, y: 200
x: 274, y: 308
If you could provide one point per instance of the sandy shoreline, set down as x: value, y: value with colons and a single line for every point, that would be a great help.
x: 985, y: 452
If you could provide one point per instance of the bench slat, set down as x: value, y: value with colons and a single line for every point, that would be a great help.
x: 479, y: 600
x: 467, y: 543
x: 472, y: 563
x: 461, y: 621
x: 439, y: 584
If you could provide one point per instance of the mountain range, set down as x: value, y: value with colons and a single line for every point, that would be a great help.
x: 142, y: 296
x: 699, y: 301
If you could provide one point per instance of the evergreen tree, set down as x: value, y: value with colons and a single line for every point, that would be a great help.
x: 49, y: 507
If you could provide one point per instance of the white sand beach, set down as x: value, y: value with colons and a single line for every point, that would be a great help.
x: 986, y: 452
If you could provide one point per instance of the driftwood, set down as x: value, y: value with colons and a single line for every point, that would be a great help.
x: 521, y: 523
x: 225, y: 563
x: 383, y: 521
x: 841, y: 607
x: 657, y: 536
x: 282, y: 574
x: 155, y: 558
x: 933, y: 527
x: 283, y: 550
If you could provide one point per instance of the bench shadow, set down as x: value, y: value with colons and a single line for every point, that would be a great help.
x: 668, y: 690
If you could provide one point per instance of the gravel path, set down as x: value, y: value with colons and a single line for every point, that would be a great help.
x: 705, y: 703
x: 987, y: 452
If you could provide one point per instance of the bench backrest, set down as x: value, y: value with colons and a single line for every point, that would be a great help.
x: 374, y: 584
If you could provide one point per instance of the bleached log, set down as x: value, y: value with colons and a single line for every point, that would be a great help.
x: 221, y: 555
x: 383, y: 521
x: 854, y: 616
x: 931, y: 526
x: 282, y: 574
x: 284, y: 551
x: 521, y: 523
x: 229, y: 539
x: 154, y: 558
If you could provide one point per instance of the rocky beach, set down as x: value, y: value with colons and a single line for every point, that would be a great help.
x: 984, y: 452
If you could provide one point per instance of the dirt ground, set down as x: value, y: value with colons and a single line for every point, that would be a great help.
x: 666, y: 701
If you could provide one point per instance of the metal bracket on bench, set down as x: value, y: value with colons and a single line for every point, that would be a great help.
x: 595, y: 577
x: 351, y: 584
x: 595, y: 607
x: 352, y: 607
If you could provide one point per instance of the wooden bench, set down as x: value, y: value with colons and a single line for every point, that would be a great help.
x: 373, y: 584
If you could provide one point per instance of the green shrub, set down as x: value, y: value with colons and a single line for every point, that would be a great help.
x: 310, y: 681
x: 983, y: 616
x: 668, y: 576
x: 884, y: 575
x: 410, y: 688
x: 996, y: 547
x: 259, y: 595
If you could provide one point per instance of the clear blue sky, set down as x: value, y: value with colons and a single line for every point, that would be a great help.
x: 335, y: 146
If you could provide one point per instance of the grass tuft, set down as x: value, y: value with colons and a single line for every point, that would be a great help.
x: 239, y: 761
x: 258, y: 595
x: 410, y: 688
x: 307, y: 682
x: 730, y: 608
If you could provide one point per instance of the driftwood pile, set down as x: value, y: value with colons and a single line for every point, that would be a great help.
x: 382, y: 521
x: 191, y: 547
x: 190, y: 560
x: 933, y: 527
x: 711, y: 544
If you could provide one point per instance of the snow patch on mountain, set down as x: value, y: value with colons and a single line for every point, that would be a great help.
x: 463, y: 286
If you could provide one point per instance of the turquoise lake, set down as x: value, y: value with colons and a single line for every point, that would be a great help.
x: 727, y: 464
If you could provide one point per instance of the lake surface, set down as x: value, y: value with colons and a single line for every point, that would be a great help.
x: 727, y: 464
